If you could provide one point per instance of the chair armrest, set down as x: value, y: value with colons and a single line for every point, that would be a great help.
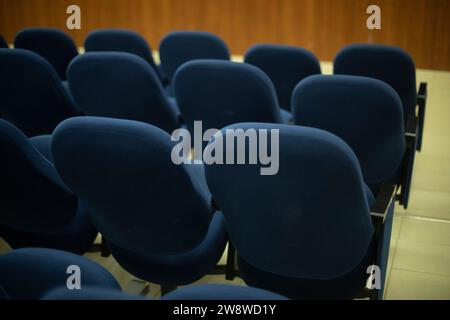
x: 421, y: 102
x: 383, y: 200
x: 411, y: 132
x: 411, y: 126
x: 422, y: 94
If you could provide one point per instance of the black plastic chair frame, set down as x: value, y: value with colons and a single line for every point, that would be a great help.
x: 413, y: 141
x: 422, y: 96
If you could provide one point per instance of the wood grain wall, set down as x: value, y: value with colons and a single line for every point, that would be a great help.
x: 422, y: 27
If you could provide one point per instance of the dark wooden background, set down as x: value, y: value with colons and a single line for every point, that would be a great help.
x: 422, y: 27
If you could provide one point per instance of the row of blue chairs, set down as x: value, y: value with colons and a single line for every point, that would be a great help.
x: 37, y: 273
x: 99, y: 159
x: 304, y: 233
x: 175, y: 49
x: 284, y: 65
x: 101, y: 84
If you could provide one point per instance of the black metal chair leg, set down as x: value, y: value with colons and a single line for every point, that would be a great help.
x: 165, y: 289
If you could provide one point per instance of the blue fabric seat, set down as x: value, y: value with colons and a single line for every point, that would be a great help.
x: 305, y: 232
x: 179, y: 47
x: 3, y: 43
x: 220, y: 93
x: 33, y: 97
x: 169, y: 234
x: 122, y: 40
x: 54, y: 45
x: 121, y: 85
x: 366, y: 113
x: 286, y: 66
x: 194, y: 292
x: 37, y: 209
x: 395, y: 67
x: 29, y: 273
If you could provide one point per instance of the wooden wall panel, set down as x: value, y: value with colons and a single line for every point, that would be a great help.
x: 422, y: 27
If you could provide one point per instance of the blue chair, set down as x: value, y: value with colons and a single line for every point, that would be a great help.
x: 395, y: 67
x: 305, y: 232
x: 285, y: 65
x: 3, y: 43
x: 220, y: 93
x: 36, y: 207
x: 54, y: 45
x: 194, y: 292
x: 28, y: 274
x: 367, y: 114
x: 179, y: 47
x: 123, y: 41
x: 33, y: 97
x: 155, y: 216
x: 121, y: 85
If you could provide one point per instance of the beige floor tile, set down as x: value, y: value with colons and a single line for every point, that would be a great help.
x: 425, y: 230
x: 396, y: 226
x: 416, y: 285
x: 391, y: 259
x: 422, y: 257
x: 220, y: 279
x: 429, y: 203
x: 4, y: 247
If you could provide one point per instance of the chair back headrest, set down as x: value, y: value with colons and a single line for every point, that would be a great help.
x: 33, y: 97
x: 220, y: 93
x: 387, y: 63
x: 54, y: 45
x: 120, y: 85
x: 365, y: 112
x: 286, y: 66
x: 178, y: 47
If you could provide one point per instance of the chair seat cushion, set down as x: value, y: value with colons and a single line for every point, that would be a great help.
x: 77, y: 236
x: 346, y: 286
x: 177, y: 269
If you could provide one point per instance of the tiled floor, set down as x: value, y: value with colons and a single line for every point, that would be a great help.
x: 419, y: 261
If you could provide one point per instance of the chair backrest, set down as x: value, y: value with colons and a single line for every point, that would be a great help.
x: 120, y: 85
x: 123, y: 41
x: 286, y: 66
x: 54, y: 45
x: 33, y: 197
x: 220, y: 93
x: 138, y: 198
x: 33, y: 97
x: 311, y: 219
x: 3, y: 43
x: 365, y: 112
x: 179, y: 47
x: 387, y: 63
